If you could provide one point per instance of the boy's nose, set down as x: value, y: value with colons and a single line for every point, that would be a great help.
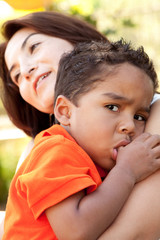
x: 127, y: 126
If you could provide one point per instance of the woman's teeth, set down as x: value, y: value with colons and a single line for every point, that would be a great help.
x: 41, y: 78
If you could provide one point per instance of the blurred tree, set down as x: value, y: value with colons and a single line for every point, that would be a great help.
x: 3, y: 189
x: 10, y: 151
x: 136, y: 21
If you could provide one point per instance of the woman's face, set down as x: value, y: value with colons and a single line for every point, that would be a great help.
x: 32, y: 59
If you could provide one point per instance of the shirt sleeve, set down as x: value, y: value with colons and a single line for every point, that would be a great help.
x: 55, y: 173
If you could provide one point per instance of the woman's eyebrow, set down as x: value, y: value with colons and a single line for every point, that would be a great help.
x: 27, y: 38
x: 22, y: 47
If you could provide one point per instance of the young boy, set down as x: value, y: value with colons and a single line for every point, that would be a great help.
x: 102, y: 100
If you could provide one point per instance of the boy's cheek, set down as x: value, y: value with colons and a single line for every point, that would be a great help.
x: 140, y: 129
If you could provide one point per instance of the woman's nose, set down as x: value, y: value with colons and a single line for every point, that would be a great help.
x: 27, y: 68
x: 27, y: 71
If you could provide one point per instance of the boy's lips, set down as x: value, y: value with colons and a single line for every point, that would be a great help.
x: 122, y: 143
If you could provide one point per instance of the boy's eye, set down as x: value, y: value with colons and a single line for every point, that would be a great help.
x: 32, y: 48
x: 112, y: 107
x: 140, y: 118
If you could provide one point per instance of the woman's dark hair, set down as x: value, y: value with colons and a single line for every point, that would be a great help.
x: 89, y: 63
x: 22, y: 114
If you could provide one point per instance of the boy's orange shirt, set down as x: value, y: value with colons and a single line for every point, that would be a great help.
x: 55, y: 169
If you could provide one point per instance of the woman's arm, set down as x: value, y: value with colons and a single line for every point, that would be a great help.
x: 140, y: 217
x: 153, y: 123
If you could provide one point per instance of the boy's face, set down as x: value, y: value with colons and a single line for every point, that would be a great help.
x: 112, y: 114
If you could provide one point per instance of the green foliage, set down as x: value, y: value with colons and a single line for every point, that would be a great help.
x: 128, y: 23
x: 136, y: 21
x: 3, y: 188
x: 10, y: 152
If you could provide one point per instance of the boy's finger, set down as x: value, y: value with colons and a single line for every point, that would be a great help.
x: 142, y: 137
x: 156, y: 151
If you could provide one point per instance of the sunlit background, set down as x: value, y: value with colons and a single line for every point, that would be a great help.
x: 136, y: 21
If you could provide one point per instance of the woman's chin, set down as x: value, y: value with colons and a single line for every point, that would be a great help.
x: 45, y: 108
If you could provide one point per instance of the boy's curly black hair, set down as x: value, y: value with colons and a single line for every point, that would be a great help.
x: 89, y: 63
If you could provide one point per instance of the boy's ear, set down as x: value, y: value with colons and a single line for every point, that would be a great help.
x: 62, y: 110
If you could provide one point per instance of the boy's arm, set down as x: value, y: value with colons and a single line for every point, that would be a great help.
x: 87, y: 217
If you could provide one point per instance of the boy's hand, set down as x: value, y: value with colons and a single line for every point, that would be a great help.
x: 141, y: 157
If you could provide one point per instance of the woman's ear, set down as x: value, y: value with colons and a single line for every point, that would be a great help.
x: 62, y: 110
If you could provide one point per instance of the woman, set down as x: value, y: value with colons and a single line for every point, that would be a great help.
x: 53, y: 24
x: 33, y: 47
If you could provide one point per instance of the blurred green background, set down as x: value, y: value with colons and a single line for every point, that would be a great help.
x: 136, y: 21
x: 10, y: 151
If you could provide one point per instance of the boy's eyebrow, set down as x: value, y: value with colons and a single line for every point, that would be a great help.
x: 122, y: 98
x: 23, y: 46
x: 117, y: 97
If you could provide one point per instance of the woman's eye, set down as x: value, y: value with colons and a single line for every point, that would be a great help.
x: 112, y: 107
x: 140, y: 118
x: 33, y: 47
x: 16, y: 77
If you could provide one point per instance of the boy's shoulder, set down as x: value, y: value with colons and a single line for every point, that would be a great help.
x: 56, y: 143
x: 54, y: 131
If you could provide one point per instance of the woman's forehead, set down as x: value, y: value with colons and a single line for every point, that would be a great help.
x: 22, y: 33
x: 18, y: 38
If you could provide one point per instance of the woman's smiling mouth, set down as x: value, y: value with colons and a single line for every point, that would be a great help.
x: 41, y: 78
